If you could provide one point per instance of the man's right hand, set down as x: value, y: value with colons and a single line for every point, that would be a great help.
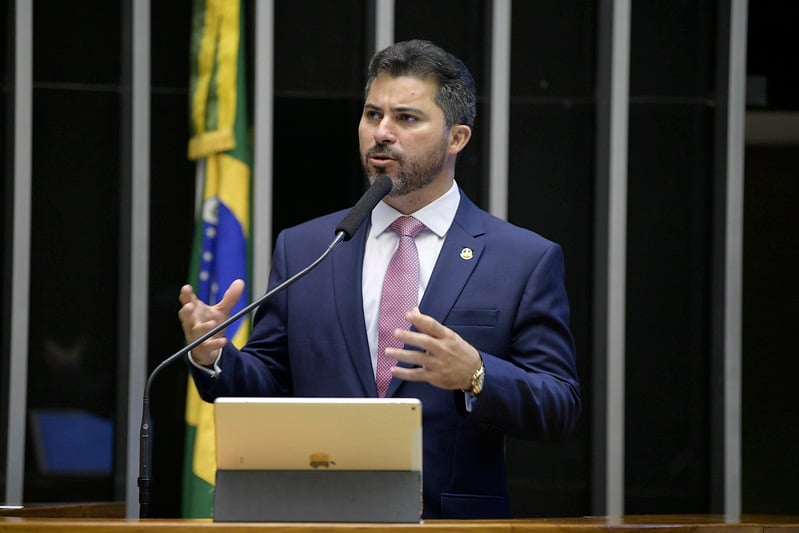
x: 198, y: 318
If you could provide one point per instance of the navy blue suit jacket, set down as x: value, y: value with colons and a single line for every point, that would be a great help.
x: 508, y: 300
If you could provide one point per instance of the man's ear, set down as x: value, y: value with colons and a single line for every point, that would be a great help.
x: 459, y: 137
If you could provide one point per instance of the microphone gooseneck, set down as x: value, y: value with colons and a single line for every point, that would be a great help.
x: 344, y: 231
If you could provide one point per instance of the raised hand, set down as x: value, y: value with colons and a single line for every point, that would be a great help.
x: 197, y: 318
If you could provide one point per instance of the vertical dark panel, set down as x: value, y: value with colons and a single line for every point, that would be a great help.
x: 667, y: 364
x: 172, y: 187
x: 467, y: 35
x: 770, y: 435
x: 670, y: 177
x: 74, y: 248
x: 320, y: 53
x: 551, y: 189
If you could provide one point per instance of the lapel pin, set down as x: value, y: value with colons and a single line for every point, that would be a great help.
x: 467, y: 254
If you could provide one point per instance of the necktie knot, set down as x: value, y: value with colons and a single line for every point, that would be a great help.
x: 407, y: 226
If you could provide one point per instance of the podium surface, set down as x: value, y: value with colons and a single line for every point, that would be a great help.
x: 32, y: 519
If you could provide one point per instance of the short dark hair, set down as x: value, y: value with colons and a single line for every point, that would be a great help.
x: 456, y: 96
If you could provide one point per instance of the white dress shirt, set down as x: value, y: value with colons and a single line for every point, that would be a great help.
x: 382, y: 242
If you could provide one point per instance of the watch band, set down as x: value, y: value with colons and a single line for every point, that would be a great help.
x: 477, y: 380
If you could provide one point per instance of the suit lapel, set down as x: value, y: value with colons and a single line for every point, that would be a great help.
x: 459, y: 255
x: 348, y: 295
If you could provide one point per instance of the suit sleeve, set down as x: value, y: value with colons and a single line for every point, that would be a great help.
x: 534, y: 392
x: 261, y: 367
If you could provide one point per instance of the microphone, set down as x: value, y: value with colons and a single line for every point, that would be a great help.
x: 350, y: 224
x: 344, y: 232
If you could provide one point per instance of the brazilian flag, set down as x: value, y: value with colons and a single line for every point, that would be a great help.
x: 221, y: 146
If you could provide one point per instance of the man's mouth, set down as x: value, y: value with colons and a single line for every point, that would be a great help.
x: 380, y: 160
x: 383, y: 152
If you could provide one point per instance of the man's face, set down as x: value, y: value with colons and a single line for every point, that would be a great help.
x: 402, y: 133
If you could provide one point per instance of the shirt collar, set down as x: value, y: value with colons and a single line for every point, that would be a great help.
x: 437, y: 216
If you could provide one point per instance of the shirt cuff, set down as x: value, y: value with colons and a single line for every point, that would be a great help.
x: 470, y: 400
x: 211, y: 372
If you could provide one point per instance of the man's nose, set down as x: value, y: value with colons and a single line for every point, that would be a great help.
x: 384, y: 132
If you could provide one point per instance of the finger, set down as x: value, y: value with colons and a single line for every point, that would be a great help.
x: 408, y: 374
x: 425, y: 323
x: 186, y: 313
x: 202, y: 328
x: 423, y: 341
x: 411, y: 357
x: 194, y: 313
x: 186, y: 295
x: 231, y: 296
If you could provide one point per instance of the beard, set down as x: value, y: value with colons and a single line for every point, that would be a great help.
x: 412, y: 174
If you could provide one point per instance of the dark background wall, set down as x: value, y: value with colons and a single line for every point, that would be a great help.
x: 771, y: 253
x: 674, y: 95
x: 320, y: 53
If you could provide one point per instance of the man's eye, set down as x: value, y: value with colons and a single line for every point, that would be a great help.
x: 408, y: 119
x: 372, y: 115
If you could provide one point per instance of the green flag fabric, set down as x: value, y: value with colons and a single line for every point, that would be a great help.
x: 220, y: 143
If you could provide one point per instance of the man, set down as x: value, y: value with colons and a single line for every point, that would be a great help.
x: 487, y: 346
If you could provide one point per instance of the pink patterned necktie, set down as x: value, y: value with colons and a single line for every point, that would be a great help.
x: 400, y: 295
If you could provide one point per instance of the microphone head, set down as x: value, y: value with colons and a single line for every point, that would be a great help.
x: 357, y: 215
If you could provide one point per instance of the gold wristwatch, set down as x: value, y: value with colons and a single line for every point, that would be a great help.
x: 477, y: 380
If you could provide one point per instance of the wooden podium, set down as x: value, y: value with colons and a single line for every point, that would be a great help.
x: 109, y: 517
